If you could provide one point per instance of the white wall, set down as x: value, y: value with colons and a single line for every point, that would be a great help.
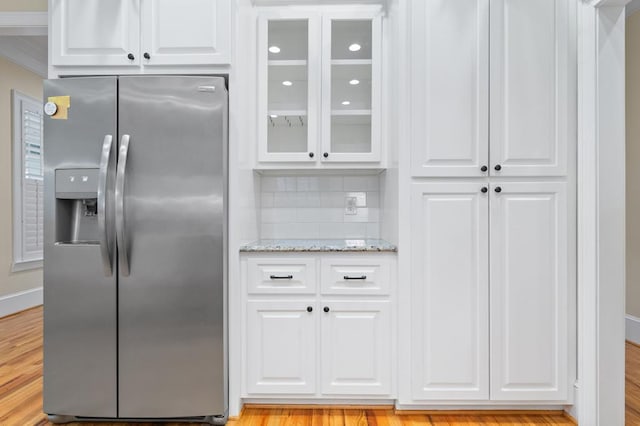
x: 12, y: 77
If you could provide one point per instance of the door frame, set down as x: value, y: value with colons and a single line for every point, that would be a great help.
x: 601, y: 212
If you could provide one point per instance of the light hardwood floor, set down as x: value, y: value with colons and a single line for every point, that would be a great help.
x: 21, y: 393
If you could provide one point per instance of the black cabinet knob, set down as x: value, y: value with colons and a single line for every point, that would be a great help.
x: 484, y: 189
x: 309, y: 309
x: 131, y: 57
x: 326, y: 309
x: 498, y: 189
x: 498, y: 167
x: 311, y: 155
x: 325, y: 155
x: 146, y: 55
x: 484, y: 168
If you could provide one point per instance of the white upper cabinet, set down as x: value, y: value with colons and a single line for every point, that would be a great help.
x: 139, y: 33
x: 319, y: 87
x: 530, y: 288
x: 289, y: 84
x: 492, y: 87
x: 449, y: 86
x: 195, y: 32
x: 531, y: 69
x: 351, y: 88
x: 95, y: 32
x: 450, y: 303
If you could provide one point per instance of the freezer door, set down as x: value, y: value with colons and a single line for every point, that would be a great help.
x: 80, y: 333
x: 171, y: 183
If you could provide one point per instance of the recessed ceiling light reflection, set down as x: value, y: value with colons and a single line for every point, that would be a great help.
x: 354, y: 82
x: 287, y: 83
x: 274, y: 49
x: 355, y: 47
x: 346, y: 103
x: 273, y: 116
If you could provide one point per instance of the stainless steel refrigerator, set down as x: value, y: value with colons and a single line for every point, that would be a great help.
x: 135, y: 254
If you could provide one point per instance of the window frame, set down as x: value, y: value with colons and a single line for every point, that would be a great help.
x: 20, y: 262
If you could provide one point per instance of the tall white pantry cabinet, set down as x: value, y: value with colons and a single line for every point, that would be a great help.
x: 492, y: 253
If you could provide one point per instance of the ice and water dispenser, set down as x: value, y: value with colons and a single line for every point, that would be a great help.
x: 77, y: 206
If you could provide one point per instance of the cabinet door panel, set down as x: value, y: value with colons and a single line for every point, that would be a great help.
x: 449, y: 85
x: 356, y: 348
x: 531, y: 106
x: 288, y: 87
x: 188, y: 32
x: 450, y: 291
x: 95, y: 32
x: 281, y: 348
x: 529, y: 292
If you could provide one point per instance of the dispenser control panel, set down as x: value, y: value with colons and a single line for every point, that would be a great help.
x: 76, y: 183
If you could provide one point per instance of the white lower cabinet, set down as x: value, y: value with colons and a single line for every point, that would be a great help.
x: 336, y: 341
x: 492, y: 292
x: 281, y: 347
x: 355, y: 343
x: 450, y: 303
x: 530, y: 292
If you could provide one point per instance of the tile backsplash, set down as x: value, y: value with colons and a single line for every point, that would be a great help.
x: 339, y: 207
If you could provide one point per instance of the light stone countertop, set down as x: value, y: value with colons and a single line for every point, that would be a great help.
x: 355, y: 245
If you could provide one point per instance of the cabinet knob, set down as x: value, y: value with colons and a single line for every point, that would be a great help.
x: 484, y: 189
x: 484, y: 168
x: 146, y: 55
x: 498, y: 189
x: 326, y: 309
x: 325, y: 155
x: 311, y: 155
x: 131, y: 57
x: 498, y: 167
x: 309, y: 309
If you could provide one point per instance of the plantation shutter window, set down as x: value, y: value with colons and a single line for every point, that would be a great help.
x: 28, y: 180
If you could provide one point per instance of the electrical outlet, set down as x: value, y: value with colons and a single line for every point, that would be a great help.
x: 361, y: 198
x: 351, y: 205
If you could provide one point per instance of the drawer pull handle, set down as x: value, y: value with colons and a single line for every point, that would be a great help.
x: 281, y: 277
x: 362, y: 277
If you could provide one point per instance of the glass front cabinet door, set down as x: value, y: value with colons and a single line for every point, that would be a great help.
x: 319, y: 88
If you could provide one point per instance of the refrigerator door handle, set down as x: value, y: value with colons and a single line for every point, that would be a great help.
x: 120, y: 222
x: 103, y: 178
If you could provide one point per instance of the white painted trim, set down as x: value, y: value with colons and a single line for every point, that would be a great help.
x: 16, y: 302
x: 23, y: 23
x: 495, y: 406
x: 601, y: 212
x: 632, y: 329
x: 26, y: 265
x: 19, y: 54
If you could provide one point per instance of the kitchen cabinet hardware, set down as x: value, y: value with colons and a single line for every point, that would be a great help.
x: 362, y: 277
x: 498, y: 189
x: 484, y: 168
x: 281, y: 277
x: 498, y: 167
x: 146, y: 55
x: 326, y: 309
x: 484, y: 189
x: 131, y: 57
x: 325, y: 155
x: 311, y: 154
x: 309, y: 308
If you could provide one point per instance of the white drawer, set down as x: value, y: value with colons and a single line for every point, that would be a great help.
x: 276, y: 276
x: 355, y: 276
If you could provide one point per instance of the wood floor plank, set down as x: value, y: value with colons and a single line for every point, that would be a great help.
x: 21, y: 394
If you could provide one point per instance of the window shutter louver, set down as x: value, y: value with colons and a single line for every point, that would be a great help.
x: 32, y: 177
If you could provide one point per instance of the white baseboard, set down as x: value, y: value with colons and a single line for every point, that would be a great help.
x: 16, y: 302
x: 632, y: 329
